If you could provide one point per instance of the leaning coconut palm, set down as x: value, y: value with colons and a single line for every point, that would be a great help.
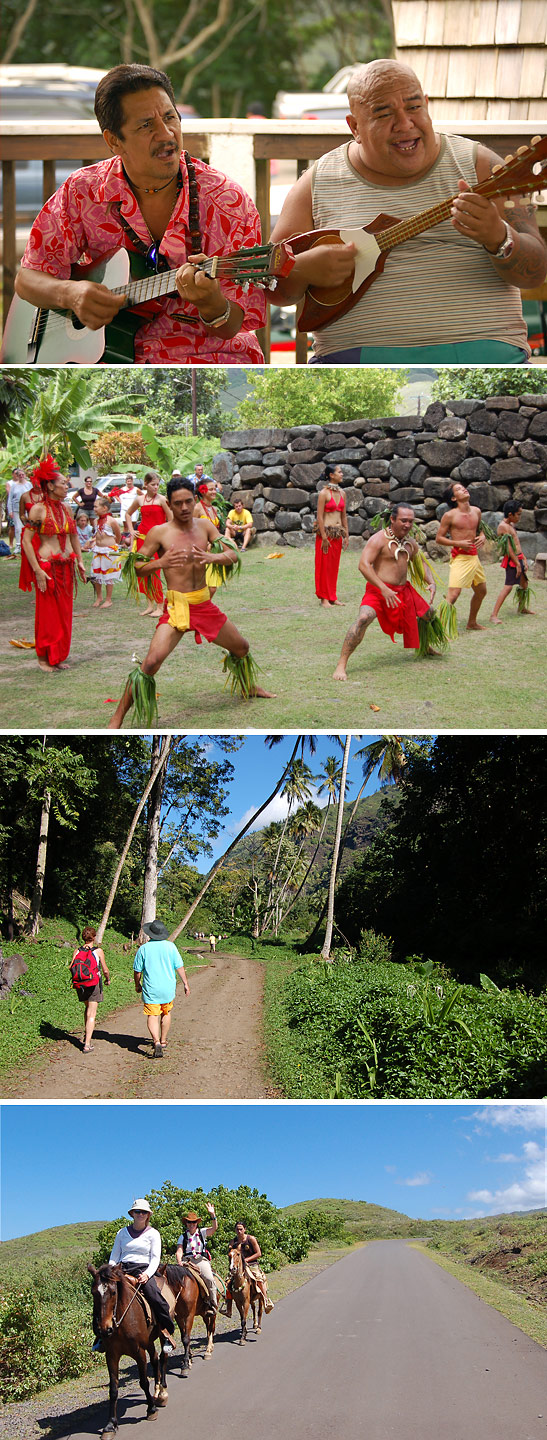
x: 325, y: 953
x: 330, y: 782
x: 156, y: 769
x: 302, y: 743
x: 296, y: 790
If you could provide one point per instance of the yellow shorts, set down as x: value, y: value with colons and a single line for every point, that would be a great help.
x: 466, y: 573
x: 158, y: 1009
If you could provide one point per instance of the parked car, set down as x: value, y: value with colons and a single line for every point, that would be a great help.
x: 40, y: 93
x: 106, y: 485
x: 330, y: 103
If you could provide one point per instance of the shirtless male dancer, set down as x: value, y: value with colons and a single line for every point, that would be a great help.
x: 183, y: 555
x: 389, y: 596
x: 459, y: 533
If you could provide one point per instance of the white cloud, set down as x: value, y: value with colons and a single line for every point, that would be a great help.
x: 391, y: 1169
x: 276, y: 811
x: 528, y: 1192
x: 513, y: 1117
x: 506, y: 1159
x: 423, y: 1178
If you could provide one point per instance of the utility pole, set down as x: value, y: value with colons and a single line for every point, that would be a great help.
x: 194, y: 403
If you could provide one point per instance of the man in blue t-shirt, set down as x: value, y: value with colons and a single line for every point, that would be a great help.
x: 156, y: 966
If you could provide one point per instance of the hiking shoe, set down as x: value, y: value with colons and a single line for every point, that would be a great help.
x: 168, y: 1347
x: 158, y: 1052
x: 98, y: 1345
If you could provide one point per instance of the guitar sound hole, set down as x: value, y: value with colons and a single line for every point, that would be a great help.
x: 77, y: 323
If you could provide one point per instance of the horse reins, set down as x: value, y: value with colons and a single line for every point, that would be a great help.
x: 115, y: 1320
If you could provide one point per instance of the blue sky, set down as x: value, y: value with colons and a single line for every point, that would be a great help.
x: 64, y: 1163
x: 256, y: 770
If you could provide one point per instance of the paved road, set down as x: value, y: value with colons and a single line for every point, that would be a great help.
x: 384, y: 1344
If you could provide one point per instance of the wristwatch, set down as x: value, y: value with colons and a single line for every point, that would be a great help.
x: 507, y: 246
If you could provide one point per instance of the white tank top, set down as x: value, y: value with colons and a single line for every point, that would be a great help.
x: 437, y: 288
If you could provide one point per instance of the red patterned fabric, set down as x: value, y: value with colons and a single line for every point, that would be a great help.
x: 326, y: 568
x: 80, y: 223
x: 151, y: 515
x: 206, y: 620
x: 402, y: 619
x: 53, y: 615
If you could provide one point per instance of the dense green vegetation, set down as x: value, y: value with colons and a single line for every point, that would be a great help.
x: 374, y: 1029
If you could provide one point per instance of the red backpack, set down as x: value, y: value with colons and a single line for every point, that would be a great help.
x: 84, y: 968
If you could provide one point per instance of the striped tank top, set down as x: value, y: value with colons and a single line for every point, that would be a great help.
x: 437, y: 288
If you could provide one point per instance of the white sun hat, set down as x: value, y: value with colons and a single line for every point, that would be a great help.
x: 139, y: 1204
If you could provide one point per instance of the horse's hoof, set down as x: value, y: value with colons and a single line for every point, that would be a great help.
x: 152, y: 1415
x: 161, y: 1400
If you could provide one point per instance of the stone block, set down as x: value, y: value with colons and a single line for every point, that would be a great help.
x: 293, y: 498
x: 538, y: 402
x: 254, y: 439
x: 349, y: 427
x: 475, y: 467
x: 303, y: 457
x: 353, y: 498
x: 512, y: 426
x: 249, y: 496
x: 487, y: 445
x: 248, y: 473
x: 541, y: 519
x: 275, y: 457
x: 249, y: 457
x: 453, y: 428
x: 223, y: 467
x: 435, y: 552
x: 271, y: 538
x: 299, y: 540
x: 356, y: 542
x: 308, y: 524
x: 260, y: 522
x: 430, y: 529
x: 527, y: 521
x: 374, y: 469
x: 532, y: 451
x: 406, y: 495
x: 383, y: 450
x: 275, y: 474
x: 346, y: 456
x: 405, y: 446
x: 483, y: 422
x: 270, y: 508
x: 307, y: 475
x: 402, y: 422
x: 373, y: 487
x: 537, y: 428
x: 492, y: 518
x: 434, y: 415
x: 300, y: 436
x: 402, y: 469
x: 287, y: 520
x: 375, y: 505
x: 502, y: 402
x: 258, y: 505
x: 435, y: 486
x: 356, y: 524
x: 463, y: 407
x: 481, y: 494
x: 514, y: 470
x: 532, y: 544
x: 442, y: 455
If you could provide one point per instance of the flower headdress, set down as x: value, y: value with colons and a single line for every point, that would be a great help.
x: 203, y: 487
x: 46, y: 471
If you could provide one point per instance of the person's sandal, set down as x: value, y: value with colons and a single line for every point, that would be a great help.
x: 158, y: 1052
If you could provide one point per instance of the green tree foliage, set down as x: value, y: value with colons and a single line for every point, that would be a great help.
x: 477, y: 382
x: 281, y: 1238
x: 166, y: 403
x: 282, y: 397
x: 459, y: 871
x: 67, y: 411
x: 78, y: 876
x: 17, y: 391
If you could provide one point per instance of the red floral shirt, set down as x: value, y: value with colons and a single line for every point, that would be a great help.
x: 80, y: 223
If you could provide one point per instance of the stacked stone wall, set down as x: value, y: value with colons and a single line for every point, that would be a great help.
x: 497, y: 447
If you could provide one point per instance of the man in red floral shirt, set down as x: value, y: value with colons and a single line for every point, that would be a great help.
x: 142, y: 200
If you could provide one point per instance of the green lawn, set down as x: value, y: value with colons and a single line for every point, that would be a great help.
x: 486, y: 680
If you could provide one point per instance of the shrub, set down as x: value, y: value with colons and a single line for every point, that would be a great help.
x: 375, y: 949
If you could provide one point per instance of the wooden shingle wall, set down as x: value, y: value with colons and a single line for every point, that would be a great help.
x: 477, y: 59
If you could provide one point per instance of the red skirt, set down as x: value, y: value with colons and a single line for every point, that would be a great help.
x: 326, y: 569
x: 53, y: 615
x: 150, y: 515
x: 401, y: 619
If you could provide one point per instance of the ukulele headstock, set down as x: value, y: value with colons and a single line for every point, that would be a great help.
x: 520, y: 173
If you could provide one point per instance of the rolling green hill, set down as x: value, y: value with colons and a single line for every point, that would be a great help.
x: 63, y: 1242
x: 362, y: 1220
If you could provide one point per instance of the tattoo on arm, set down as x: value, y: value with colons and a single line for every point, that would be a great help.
x: 528, y: 263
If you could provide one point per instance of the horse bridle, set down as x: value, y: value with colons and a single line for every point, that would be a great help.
x: 115, y: 1320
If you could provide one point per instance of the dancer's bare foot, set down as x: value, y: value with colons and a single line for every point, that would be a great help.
x: 96, y: 604
x: 46, y: 667
x: 340, y: 672
x: 325, y: 604
x: 338, y: 602
x: 495, y: 620
x: 257, y: 693
x: 475, y: 626
x: 106, y: 605
x: 155, y: 614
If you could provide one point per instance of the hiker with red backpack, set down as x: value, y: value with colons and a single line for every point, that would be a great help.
x: 87, y: 968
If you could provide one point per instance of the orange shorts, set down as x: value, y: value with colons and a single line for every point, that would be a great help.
x: 158, y: 1009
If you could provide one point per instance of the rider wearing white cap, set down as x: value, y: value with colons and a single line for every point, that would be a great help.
x: 137, y: 1248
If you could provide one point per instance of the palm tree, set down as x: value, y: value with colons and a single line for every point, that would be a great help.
x: 302, y: 743
x: 297, y: 789
x: 325, y: 953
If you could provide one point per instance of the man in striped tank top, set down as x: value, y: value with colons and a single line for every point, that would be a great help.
x: 450, y: 291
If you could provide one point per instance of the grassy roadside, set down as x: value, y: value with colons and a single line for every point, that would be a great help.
x: 50, y: 1414
x: 296, y: 644
x: 43, y: 1006
x: 528, y: 1316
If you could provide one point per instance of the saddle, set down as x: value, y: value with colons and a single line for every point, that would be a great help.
x: 167, y: 1292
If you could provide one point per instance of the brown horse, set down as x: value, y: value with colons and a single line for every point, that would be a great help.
x: 124, y: 1329
x: 245, y: 1293
x: 190, y: 1302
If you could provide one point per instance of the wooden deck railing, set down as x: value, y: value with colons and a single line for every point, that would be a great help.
x: 242, y: 148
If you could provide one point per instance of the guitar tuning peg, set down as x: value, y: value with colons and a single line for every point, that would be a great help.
x: 536, y: 140
x: 508, y: 159
x: 496, y: 169
x: 509, y: 204
x: 522, y: 150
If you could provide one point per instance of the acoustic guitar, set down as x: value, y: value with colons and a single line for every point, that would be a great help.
x: 57, y: 337
x: 519, y: 175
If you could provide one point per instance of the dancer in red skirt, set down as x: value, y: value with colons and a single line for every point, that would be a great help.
x: 332, y: 535
x: 154, y: 511
x: 52, y: 550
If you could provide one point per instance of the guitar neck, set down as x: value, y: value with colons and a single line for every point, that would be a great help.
x: 415, y: 225
x: 242, y: 267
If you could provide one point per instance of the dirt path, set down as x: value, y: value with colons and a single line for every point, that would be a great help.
x: 215, y: 1048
